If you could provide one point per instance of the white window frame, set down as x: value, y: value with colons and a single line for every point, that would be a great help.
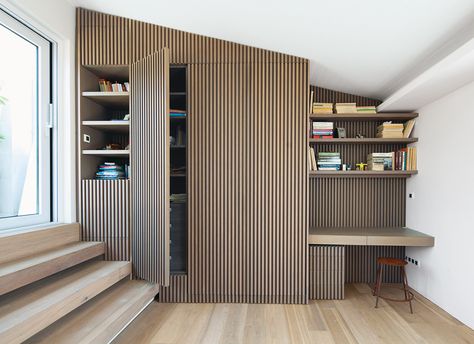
x: 44, y: 132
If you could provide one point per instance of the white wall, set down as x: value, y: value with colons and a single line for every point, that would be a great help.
x: 55, y: 19
x: 444, y: 205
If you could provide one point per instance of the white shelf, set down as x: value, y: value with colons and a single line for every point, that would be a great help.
x: 108, y: 98
x: 105, y: 152
x: 114, y: 126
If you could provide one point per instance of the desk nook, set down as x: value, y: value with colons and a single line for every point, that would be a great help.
x: 359, y: 164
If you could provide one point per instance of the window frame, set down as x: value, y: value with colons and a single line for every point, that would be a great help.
x: 45, y: 123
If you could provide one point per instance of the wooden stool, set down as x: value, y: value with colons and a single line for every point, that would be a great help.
x: 397, y: 263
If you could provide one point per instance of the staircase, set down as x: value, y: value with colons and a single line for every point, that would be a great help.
x: 57, y: 289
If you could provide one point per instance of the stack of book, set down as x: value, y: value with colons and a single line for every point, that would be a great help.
x: 366, y: 109
x: 380, y: 161
x: 346, y: 108
x: 390, y: 130
x: 177, y: 113
x: 405, y: 159
x: 107, y: 86
x: 323, y: 130
x: 111, y: 171
x: 322, y: 108
x: 329, y: 161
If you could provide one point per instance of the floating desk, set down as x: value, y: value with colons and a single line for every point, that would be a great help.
x: 382, y: 236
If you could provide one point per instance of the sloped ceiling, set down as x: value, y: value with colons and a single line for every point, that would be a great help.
x: 365, y: 47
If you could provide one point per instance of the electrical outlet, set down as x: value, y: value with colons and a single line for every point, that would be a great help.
x: 413, y: 261
x: 87, y: 138
x: 411, y: 195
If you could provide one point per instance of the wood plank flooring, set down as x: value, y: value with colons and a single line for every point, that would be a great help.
x: 353, y: 320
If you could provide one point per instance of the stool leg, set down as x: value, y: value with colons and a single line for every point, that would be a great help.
x: 379, y: 283
x: 374, y: 290
x: 406, y: 288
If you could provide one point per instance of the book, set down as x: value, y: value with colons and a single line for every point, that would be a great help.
x: 346, y: 108
x: 408, y: 128
x: 366, y: 109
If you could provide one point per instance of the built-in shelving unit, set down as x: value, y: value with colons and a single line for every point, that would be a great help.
x: 178, y: 179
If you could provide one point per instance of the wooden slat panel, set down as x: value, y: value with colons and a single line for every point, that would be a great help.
x: 178, y: 290
x: 326, y: 272
x: 150, y: 167
x: 248, y: 228
x: 103, y: 39
x: 326, y: 95
x: 361, y: 263
x: 357, y: 202
x: 105, y: 215
x: 107, y: 39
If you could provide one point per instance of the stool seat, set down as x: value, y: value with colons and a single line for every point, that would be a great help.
x: 391, y: 261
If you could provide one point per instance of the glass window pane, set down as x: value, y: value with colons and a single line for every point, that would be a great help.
x: 18, y: 126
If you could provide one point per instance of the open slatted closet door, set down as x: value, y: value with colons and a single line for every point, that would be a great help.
x: 150, y: 162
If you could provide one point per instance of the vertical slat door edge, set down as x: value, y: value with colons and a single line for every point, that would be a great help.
x: 150, y: 168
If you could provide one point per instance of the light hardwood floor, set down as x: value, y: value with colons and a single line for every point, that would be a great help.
x: 353, y: 320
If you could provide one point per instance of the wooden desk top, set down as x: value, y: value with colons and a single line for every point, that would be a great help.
x: 381, y: 236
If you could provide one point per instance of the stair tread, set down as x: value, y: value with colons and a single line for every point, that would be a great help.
x: 100, y: 320
x: 36, y: 259
x: 29, y: 269
x: 30, y: 309
x: 24, y: 242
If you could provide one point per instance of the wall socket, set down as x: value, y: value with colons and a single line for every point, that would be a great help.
x: 411, y: 195
x: 413, y: 261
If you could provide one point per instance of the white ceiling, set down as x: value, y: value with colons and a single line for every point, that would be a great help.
x: 365, y: 47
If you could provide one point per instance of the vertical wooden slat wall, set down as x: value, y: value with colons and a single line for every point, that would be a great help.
x: 247, y: 172
x: 247, y: 201
x: 150, y: 167
x: 358, y: 202
x: 105, y: 216
x: 326, y: 271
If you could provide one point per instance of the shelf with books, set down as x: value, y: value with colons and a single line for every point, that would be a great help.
x: 367, y: 140
x: 107, y: 153
x: 381, y: 116
x: 361, y: 174
x: 108, y: 98
x: 118, y: 126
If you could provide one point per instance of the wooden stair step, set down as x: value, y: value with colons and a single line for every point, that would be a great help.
x: 28, y: 310
x: 101, y: 319
x: 26, y: 242
x: 30, y: 269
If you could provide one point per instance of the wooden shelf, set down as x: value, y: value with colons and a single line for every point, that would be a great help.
x: 381, y: 116
x: 362, y: 174
x: 369, y: 140
x: 379, y: 236
x: 108, y: 98
x: 178, y: 175
x: 112, y: 126
x: 177, y: 146
x: 105, y: 152
x: 177, y: 93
